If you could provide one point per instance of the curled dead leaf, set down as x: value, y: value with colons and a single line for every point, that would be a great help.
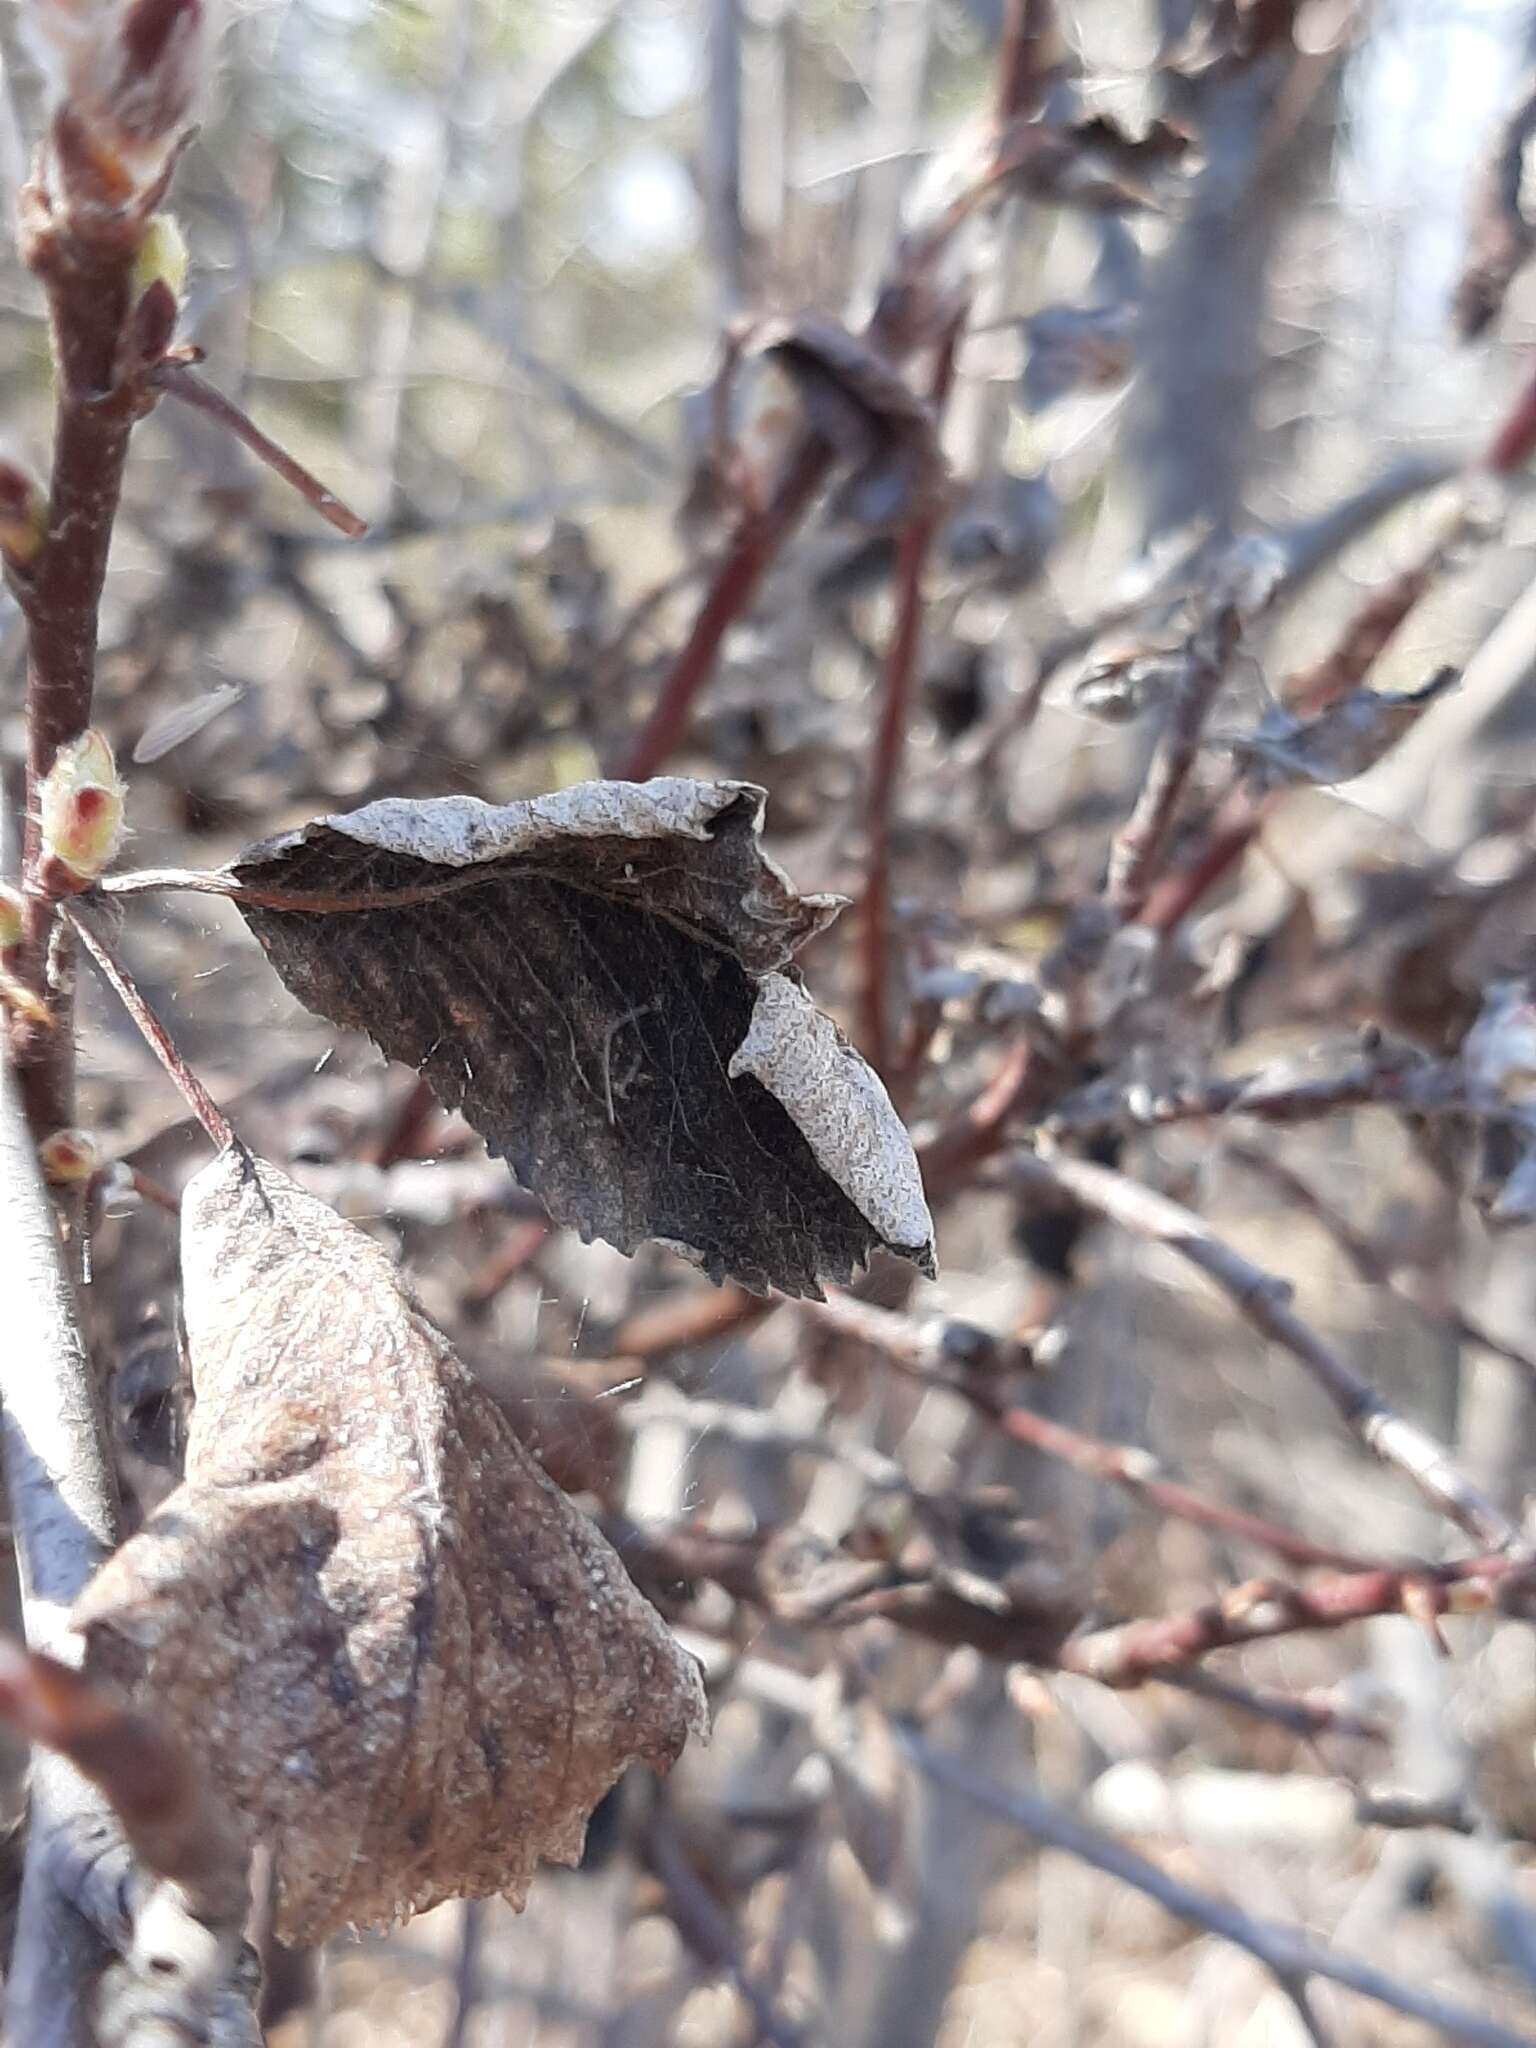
x: 411, y: 1666
x: 600, y: 980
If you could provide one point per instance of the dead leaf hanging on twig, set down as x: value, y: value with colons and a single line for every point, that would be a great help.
x: 1341, y: 742
x: 410, y: 1665
x: 596, y: 979
x: 856, y: 398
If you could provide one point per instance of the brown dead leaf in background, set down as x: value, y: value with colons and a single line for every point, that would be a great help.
x: 595, y: 979
x: 411, y: 1665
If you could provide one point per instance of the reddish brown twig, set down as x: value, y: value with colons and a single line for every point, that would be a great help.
x: 1514, y: 443
x: 1264, y: 1299
x: 1026, y: 53
x: 754, y: 547
x: 702, y: 1316
x: 1240, y: 818
x: 189, y: 1968
x: 1263, y: 1609
x: 901, y: 664
x: 1016, y: 1091
x: 150, y: 1190
x: 1366, y: 636
x: 85, y: 271
x: 148, y: 1776
x: 521, y: 1244
x: 404, y: 1137
x: 177, y: 377
x: 151, y: 1030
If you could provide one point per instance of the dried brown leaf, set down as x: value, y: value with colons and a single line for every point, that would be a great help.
x: 411, y: 1665
x: 596, y: 979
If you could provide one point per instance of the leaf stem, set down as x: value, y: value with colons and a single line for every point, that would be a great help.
x: 152, y: 1031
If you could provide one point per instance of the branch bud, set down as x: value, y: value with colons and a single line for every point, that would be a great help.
x: 69, y: 1158
x: 23, y: 516
x: 123, y: 93
x: 81, y: 808
x: 162, y: 258
x: 151, y: 324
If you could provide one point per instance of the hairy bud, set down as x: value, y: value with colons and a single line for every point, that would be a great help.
x: 81, y: 807
x: 68, y: 1158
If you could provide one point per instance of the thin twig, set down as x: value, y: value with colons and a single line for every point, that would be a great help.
x: 151, y: 1030
x: 521, y: 1245
x: 466, y: 1973
x: 1015, y: 1092
x: 1384, y: 1075
x: 753, y: 549
x: 1288, y: 1953
x: 1262, y: 1609
x: 1308, y: 1715
x: 181, y: 381
x: 901, y: 665
x: 1370, y: 1263
x: 1139, y: 847
x: 1264, y: 1299
x: 918, y: 1352
x: 702, y: 1315
x: 707, y: 1930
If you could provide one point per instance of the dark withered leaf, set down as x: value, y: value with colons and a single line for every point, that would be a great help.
x: 857, y: 399
x: 597, y: 979
x: 409, y: 1663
